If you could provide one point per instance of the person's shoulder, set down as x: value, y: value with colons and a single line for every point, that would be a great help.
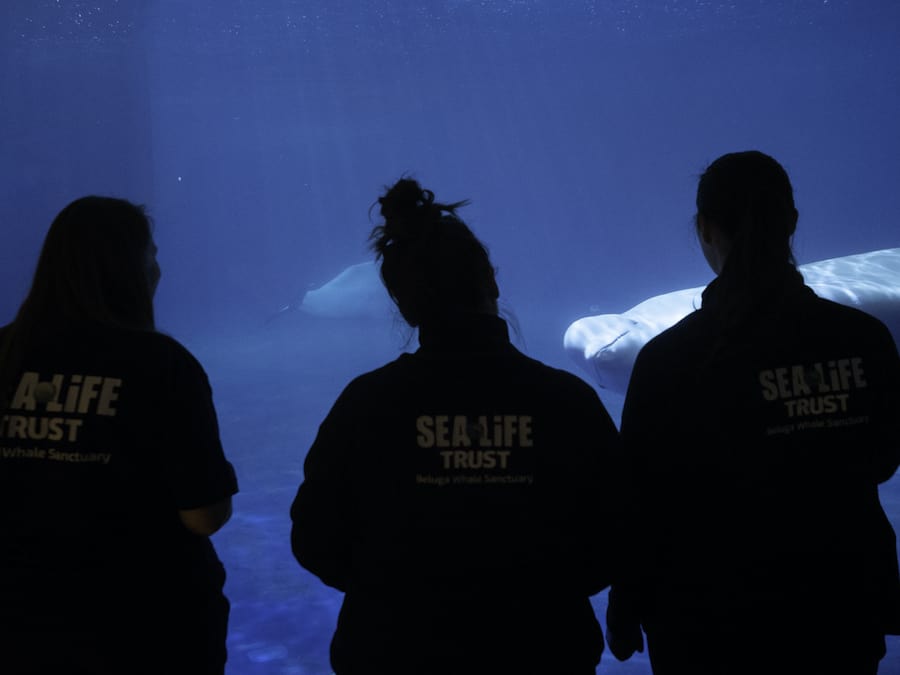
x: 553, y: 379
x: 685, y: 330
x: 560, y: 375
x: 380, y: 377
x: 153, y: 339
x: 839, y: 310
x: 839, y: 319
x: 158, y: 349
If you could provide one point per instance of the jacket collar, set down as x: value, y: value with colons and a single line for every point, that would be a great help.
x: 464, y: 332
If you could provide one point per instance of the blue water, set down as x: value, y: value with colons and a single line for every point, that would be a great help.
x: 260, y: 133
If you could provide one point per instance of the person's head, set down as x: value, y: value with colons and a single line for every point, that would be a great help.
x: 746, y: 214
x: 431, y: 263
x: 98, y: 263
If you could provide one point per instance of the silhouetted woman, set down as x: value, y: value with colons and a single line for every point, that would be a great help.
x: 458, y: 495
x: 112, y: 476
x: 759, y: 429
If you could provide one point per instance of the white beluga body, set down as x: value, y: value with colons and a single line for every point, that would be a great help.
x: 606, y: 346
x: 357, y: 292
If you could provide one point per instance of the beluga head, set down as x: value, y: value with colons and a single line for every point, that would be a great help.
x: 607, y: 345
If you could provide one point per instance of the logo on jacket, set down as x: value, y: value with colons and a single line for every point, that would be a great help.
x: 65, y: 396
x: 481, y: 442
x: 821, y: 388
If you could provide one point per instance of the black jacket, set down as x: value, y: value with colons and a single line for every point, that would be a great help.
x: 109, y: 434
x: 757, y: 449
x: 458, y: 497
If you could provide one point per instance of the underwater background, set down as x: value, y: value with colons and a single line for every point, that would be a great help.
x: 260, y: 132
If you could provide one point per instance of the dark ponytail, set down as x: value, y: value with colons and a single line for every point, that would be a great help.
x: 431, y: 262
x: 749, y: 197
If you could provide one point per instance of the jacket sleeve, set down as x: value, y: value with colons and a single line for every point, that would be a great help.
x: 887, y: 411
x: 197, y: 471
x: 321, y: 522
x: 623, y: 616
x: 599, y: 485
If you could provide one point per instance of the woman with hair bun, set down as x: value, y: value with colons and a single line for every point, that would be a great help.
x: 458, y: 495
x: 759, y: 429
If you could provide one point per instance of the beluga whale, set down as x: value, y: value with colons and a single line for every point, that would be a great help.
x: 606, y: 346
x: 355, y: 293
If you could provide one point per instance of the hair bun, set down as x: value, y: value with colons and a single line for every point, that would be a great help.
x: 405, y: 202
x: 410, y: 216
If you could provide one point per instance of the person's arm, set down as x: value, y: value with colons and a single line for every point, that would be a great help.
x: 886, y: 417
x: 201, y: 479
x: 623, y: 626
x: 206, y: 520
x: 320, y: 513
x: 623, y: 620
x: 605, y: 495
